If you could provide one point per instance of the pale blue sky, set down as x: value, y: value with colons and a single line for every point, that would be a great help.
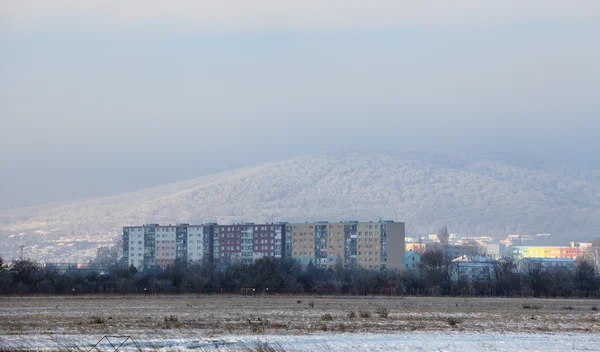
x: 92, y: 90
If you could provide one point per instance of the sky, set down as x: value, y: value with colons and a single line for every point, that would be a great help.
x: 102, y: 97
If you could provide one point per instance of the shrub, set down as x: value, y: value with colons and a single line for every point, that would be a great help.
x: 364, y: 314
x: 298, y: 301
x: 257, y: 328
x: 382, y: 312
x: 311, y: 304
x: 327, y: 317
x: 171, y: 319
x: 258, y: 324
x: 567, y: 307
x: 531, y: 306
x: 96, y: 319
x: 342, y: 327
x: 351, y: 314
x: 453, y: 321
x: 594, y: 308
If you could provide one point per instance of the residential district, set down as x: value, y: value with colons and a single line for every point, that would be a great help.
x: 379, y: 245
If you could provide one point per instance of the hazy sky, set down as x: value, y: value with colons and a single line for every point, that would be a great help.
x: 98, y: 97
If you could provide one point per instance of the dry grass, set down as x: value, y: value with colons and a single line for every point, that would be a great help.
x: 453, y: 321
x: 531, y: 306
x: 217, y: 315
x: 382, y: 312
x: 364, y: 314
x: 171, y: 319
x: 97, y: 319
x: 327, y: 317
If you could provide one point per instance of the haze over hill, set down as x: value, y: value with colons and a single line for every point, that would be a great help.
x: 471, y: 196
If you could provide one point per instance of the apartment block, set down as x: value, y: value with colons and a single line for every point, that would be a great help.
x: 247, y: 242
x: 371, y: 245
x: 573, y: 252
x: 152, y: 244
x: 546, y: 264
x: 155, y: 245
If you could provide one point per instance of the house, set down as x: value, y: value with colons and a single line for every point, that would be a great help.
x: 474, y: 268
x: 411, y: 260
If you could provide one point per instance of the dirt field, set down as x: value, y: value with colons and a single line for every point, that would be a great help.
x: 220, y: 315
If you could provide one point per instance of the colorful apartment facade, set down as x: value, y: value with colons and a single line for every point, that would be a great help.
x: 573, y: 252
x: 371, y: 245
x: 247, y: 242
x: 152, y: 244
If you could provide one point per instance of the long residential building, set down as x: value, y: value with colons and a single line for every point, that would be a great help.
x: 573, y: 252
x: 371, y: 245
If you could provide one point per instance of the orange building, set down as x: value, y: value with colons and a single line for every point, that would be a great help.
x: 371, y: 245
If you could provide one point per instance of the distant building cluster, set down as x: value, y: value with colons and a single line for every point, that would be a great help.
x: 475, y: 258
x: 372, y: 245
x: 379, y: 245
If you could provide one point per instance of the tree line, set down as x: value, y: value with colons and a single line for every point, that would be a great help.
x: 435, y: 276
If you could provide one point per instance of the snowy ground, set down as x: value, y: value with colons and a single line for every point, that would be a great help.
x: 304, y: 323
x: 417, y: 341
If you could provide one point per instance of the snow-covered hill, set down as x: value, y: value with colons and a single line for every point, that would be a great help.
x: 472, y: 197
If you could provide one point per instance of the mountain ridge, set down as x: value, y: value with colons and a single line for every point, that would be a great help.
x: 426, y: 190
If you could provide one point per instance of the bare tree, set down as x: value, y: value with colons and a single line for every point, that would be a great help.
x: 107, y: 256
x: 534, y: 278
x: 586, y: 277
x: 506, y: 278
x: 592, y: 257
x: 475, y: 248
x: 444, y: 236
x: 436, y: 269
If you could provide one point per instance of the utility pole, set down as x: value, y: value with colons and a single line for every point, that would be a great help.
x: 21, y: 257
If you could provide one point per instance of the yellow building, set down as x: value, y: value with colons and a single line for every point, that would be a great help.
x: 415, y: 247
x: 520, y: 252
x: 371, y: 245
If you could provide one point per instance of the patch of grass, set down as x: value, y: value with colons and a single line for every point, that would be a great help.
x: 351, y: 314
x: 327, y: 317
x: 382, y: 312
x: 530, y: 306
x: 171, y: 319
x: 453, y: 321
x: 257, y: 325
x: 364, y: 314
x: 341, y: 327
x: 97, y: 319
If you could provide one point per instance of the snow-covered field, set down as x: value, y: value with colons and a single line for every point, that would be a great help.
x: 405, y: 341
x: 303, y: 323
